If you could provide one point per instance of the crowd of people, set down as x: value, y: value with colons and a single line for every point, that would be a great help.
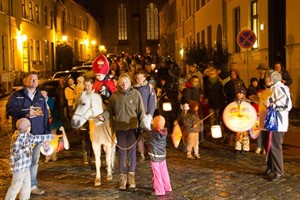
x: 134, y: 87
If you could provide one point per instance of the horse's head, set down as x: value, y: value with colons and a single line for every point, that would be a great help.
x: 88, y: 105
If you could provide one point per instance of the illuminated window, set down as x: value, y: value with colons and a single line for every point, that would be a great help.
x: 122, y: 22
x: 254, y: 20
x: 152, y: 22
x: 30, y: 11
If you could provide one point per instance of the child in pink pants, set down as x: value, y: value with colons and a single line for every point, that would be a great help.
x: 157, y: 153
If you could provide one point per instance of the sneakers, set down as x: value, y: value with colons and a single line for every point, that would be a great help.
x: 190, y: 157
x: 197, y: 156
x: 37, y: 191
x: 257, y: 151
x: 276, y: 177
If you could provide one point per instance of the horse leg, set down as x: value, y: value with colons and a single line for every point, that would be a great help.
x: 113, y: 156
x: 97, y: 152
x: 108, y: 163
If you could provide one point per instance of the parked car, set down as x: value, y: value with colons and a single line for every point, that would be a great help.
x: 51, y: 86
x: 68, y: 74
x: 82, y: 68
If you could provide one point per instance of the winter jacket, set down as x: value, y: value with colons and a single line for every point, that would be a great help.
x: 157, y: 144
x: 126, y: 109
x: 281, y: 100
x: 18, y: 107
x: 148, y: 95
x: 189, y: 121
x: 70, y: 95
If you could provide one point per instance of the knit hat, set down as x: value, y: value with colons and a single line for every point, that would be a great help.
x: 159, y: 122
x: 193, y: 105
x: 80, y: 78
x: 22, y: 124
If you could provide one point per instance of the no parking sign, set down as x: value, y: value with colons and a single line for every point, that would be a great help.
x: 246, y: 39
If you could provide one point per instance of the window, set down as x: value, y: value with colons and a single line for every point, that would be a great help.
x: 38, y: 53
x: 152, y: 22
x: 203, y: 37
x: 209, y: 36
x: 237, y: 29
x: 37, y: 14
x: 24, y: 8
x: 1, y: 5
x: 80, y: 23
x: 197, y: 4
x: 51, y: 19
x: 46, y: 49
x: 30, y: 11
x: 74, y: 20
x: 122, y: 22
x: 254, y: 20
x: 46, y: 16
x: 198, y: 38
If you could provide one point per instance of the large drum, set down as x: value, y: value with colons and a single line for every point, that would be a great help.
x: 239, y: 116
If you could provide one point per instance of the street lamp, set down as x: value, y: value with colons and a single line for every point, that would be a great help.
x: 64, y: 38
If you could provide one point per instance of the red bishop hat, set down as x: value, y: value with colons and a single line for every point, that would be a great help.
x: 100, y: 65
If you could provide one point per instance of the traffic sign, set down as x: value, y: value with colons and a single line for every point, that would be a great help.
x: 246, y: 39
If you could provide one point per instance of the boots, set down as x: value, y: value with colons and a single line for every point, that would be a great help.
x: 122, y: 182
x: 131, y: 180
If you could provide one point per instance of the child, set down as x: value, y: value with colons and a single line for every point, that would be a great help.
x: 20, y: 159
x: 55, y: 122
x: 192, y: 126
x: 204, y: 112
x: 242, y: 140
x: 157, y: 153
x: 179, y: 121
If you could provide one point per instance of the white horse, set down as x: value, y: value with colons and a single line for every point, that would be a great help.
x: 89, y: 106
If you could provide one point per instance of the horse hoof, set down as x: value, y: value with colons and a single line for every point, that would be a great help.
x: 109, y: 178
x: 97, y: 182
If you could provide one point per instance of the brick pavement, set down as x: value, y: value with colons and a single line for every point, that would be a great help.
x: 219, y: 174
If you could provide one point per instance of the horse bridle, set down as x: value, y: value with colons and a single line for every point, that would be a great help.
x: 83, y: 116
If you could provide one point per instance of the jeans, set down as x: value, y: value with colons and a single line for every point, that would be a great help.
x: 20, y: 183
x: 127, y: 141
x: 259, y: 141
x: 35, y: 164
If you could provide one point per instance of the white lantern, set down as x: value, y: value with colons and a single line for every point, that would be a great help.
x: 216, y: 131
x: 167, y: 106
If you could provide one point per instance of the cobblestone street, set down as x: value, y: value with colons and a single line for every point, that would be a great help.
x: 219, y: 174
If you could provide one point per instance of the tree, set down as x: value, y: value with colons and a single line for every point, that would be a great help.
x: 201, y: 55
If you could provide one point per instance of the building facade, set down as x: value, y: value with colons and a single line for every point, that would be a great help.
x: 220, y: 22
x: 30, y: 31
x: 128, y: 25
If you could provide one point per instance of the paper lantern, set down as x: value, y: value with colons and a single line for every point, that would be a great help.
x: 216, y: 131
x: 167, y: 106
x: 239, y: 116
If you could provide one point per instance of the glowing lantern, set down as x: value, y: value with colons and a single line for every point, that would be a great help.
x: 216, y: 131
x: 167, y: 106
x: 239, y: 116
